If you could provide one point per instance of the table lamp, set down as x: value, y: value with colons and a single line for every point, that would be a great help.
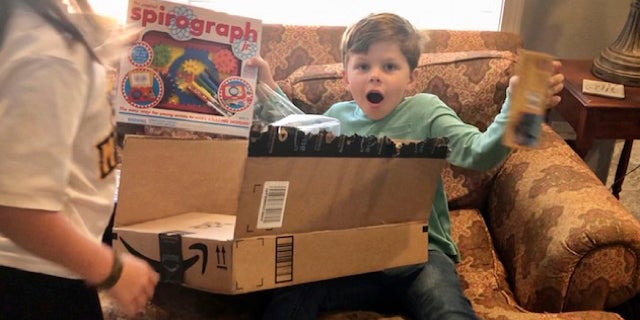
x: 620, y: 62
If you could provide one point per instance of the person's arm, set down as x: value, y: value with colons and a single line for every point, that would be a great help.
x: 50, y: 236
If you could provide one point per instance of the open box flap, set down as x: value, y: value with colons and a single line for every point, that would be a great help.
x: 338, y: 193
x: 162, y: 177
x: 196, y: 225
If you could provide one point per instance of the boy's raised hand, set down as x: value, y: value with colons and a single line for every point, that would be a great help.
x: 556, y: 84
x: 264, y: 71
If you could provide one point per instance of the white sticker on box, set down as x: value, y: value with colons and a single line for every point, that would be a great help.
x: 274, y: 199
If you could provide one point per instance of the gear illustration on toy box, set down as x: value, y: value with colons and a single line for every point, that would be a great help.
x: 244, y: 49
x: 180, y: 26
x: 141, y: 54
x: 191, y: 73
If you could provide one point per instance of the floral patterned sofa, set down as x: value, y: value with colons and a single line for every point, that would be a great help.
x: 540, y: 236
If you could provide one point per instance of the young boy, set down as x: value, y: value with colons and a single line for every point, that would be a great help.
x: 380, y: 54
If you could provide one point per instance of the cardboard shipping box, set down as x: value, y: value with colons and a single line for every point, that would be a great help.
x: 206, y: 215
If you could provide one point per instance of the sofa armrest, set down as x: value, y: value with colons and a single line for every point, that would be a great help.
x: 566, y: 242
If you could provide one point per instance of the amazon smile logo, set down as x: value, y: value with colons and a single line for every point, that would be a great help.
x: 171, y: 266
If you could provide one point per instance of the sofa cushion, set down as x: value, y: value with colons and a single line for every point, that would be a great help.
x: 473, y: 83
x: 287, y: 47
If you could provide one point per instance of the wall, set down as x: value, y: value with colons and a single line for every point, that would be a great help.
x: 577, y: 29
x: 572, y: 28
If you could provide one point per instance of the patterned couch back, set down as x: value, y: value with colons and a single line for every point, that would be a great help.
x: 468, y: 70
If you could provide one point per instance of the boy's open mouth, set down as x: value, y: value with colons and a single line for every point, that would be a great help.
x: 374, y: 97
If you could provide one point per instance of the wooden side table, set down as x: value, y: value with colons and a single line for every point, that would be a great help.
x: 593, y: 117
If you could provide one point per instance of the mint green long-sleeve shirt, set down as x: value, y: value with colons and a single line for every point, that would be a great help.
x: 426, y: 116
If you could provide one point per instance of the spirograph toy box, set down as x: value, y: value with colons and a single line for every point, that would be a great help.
x: 187, y: 69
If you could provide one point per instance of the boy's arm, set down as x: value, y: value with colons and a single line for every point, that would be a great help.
x: 482, y: 151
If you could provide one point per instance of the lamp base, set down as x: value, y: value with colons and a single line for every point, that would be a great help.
x: 620, y: 62
x: 617, y: 67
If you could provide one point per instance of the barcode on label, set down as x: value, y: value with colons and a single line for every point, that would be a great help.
x: 284, y: 259
x: 274, y: 199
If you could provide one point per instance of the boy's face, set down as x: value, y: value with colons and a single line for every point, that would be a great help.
x: 378, y: 79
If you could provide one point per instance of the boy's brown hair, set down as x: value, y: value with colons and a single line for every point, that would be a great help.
x: 374, y: 28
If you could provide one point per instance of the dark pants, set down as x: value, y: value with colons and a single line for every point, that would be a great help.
x: 27, y: 295
x: 426, y: 291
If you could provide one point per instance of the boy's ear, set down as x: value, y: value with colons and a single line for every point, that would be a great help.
x: 345, y: 80
x: 412, y: 77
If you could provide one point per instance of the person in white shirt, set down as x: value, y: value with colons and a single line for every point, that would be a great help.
x: 57, y: 178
